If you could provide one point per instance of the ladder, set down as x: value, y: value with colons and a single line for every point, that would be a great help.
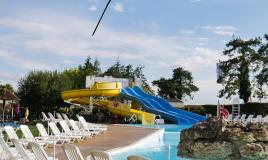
x: 236, y: 108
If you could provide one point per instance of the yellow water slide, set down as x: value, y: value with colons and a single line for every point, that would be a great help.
x: 107, y: 89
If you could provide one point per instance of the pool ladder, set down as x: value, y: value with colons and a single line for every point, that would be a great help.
x: 159, y: 120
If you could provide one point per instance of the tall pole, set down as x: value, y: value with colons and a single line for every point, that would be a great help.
x: 4, y: 103
x: 101, y: 17
x: 3, y: 114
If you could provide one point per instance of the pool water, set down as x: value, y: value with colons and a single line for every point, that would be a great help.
x: 160, y: 152
x: 12, y: 124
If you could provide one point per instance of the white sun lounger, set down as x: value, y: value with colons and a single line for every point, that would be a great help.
x: 74, y: 126
x: 43, y: 133
x: 91, y: 126
x: 45, y: 118
x: 242, y: 118
x: 72, y: 152
x: 258, y: 119
x: 39, y: 152
x: 67, y: 130
x: 27, y: 134
x: 26, y: 155
x: 65, y: 117
x: 11, y: 134
x: 230, y: 118
x: 55, y: 130
x: 59, y: 116
x: 265, y: 119
x: 249, y: 119
x: 7, y: 152
x: 236, y: 118
x: 52, y: 117
x: 101, y: 155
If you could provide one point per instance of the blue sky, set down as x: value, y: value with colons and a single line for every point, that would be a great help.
x: 159, y: 34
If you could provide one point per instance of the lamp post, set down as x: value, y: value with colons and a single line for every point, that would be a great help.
x: 4, y: 103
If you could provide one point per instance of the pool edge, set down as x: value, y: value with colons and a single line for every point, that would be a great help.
x: 143, y: 142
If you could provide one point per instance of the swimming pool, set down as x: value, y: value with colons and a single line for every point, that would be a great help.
x: 160, y: 152
x: 12, y: 124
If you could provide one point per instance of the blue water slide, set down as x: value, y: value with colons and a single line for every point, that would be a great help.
x: 148, y: 106
x: 181, y: 118
x: 160, y: 106
x: 168, y: 106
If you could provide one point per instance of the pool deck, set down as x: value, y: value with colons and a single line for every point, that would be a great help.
x: 115, y: 137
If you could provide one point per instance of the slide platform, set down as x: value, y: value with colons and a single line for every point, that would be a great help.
x: 161, y: 107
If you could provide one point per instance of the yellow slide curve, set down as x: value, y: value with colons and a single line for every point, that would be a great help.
x: 107, y: 89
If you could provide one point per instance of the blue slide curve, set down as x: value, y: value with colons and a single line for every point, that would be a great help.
x: 161, y: 107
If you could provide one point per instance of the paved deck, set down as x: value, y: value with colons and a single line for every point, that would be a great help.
x: 116, y: 136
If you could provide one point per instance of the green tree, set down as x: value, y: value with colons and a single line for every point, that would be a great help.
x: 166, y: 88
x: 40, y: 90
x: 88, y: 69
x: 96, y: 67
x: 180, y: 85
x: 242, y: 60
x: 6, y: 86
x: 138, y: 73
x: 116, y: 70
x: 262, y: 76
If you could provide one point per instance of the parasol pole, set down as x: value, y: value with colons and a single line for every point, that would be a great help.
x: 4, y: 103
x: 3, y: 114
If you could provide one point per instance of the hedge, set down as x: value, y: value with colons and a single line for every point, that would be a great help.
x: 250, y: 108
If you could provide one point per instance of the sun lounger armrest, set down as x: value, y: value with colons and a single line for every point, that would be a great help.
x: 89, y: 157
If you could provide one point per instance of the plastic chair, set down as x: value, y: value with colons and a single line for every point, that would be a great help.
x: 59, y: 116
x: 243, y: 118
x: 257, y: 119
x: 29, y: 136
x: 265, y: 119
x: 52, y: 117
x: 21, y: 150
x: 45, y: 118
x: 67, y: 130
x: 55, y: 130
x: 11, y: 134
x: 72, y: 152
x: 89, y: 126
x: 236, y: 119
x: 54, y: 138
x: 100, y: 155
x: 249, y: 119
x: 39, y: 152
x: 8, y: 152
x: 86, y: 133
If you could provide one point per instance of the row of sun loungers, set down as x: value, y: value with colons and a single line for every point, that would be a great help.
x: 248, y: 119
x: 82, y: 121
x: 71, y: 131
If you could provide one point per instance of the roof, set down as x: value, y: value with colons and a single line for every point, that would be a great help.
x: 7, y: 95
